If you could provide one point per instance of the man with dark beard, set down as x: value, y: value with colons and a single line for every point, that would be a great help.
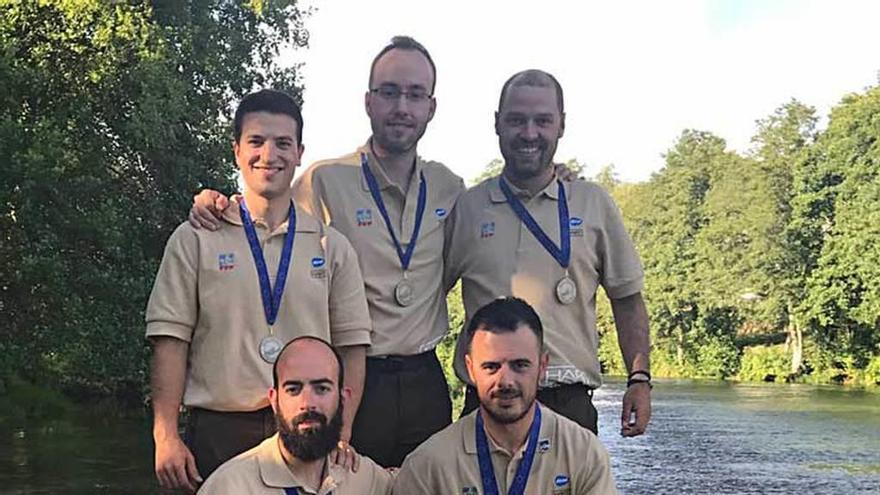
x: 307, y: 398
x: 511, y: 444
x: 528, y: 234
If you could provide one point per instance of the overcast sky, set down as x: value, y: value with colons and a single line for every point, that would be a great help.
x: 635, y: 74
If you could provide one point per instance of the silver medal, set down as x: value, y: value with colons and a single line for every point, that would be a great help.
x: 404, y: 293
x: 566, y: 290
x: 270, y: 346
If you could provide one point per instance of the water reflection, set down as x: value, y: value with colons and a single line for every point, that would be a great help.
x: 712, y: 437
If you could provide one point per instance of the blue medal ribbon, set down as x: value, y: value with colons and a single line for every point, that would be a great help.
x: 405, y: 256
x: 487, y: 472
x: 561, y: 254
x: 271, y: 297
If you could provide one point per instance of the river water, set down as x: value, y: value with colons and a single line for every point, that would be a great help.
x: 705, y: 437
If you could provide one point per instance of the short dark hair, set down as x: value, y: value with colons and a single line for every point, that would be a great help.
x: 504, y: 315
x: 341, y: 376
x: 535, y: 78
x: 271, y: 101
x: 404, y: 43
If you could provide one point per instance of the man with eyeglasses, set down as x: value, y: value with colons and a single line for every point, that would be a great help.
x: 392, y: 206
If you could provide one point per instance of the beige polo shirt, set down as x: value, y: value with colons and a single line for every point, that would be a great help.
x: 207, y: 293
x: 569, y: 460
x: 262, y: 470
x: 337, y: 190
x: 495, y: 255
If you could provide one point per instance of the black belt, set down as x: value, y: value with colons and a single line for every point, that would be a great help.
x: 392, y: 364
x: 567, y: 387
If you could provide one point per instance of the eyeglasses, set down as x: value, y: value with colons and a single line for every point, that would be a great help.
x: 391, y: 92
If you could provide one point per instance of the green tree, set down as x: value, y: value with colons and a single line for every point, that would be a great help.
x: 840, y: 218
x: 111, y: 115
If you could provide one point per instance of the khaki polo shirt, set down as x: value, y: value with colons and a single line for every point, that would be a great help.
x: 262, y: 470
x: 338, y: 192
x: 569, y: 460
x: 207, y: 293
x: 496, y: 255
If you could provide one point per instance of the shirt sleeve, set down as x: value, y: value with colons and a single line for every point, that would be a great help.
x: 595, y: 476
x: 451, y: 258
x: 621, y: 272
x: 349, y: 315
x: 412, y: 479
x: 173, y: 308
x: 308, y: 194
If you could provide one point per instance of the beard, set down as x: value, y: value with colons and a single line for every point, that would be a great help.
x: 528, y: 167
x: 314, y: 443
x: 507, y: 415
x: 395, y: 145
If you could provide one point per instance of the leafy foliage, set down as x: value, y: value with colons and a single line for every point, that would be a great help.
x: 111, y: 115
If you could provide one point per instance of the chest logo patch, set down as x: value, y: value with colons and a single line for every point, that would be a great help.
x: 470, y: 490
x: 364, y: 217
x: 544, y: 445
x: 440, y: 212
x: 560, y: 481
x: 226, y: 261
x: 317, y: 262
x: 487, y: 230
x: 577, y: 226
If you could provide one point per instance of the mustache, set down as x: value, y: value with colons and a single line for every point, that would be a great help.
x: 309, y: 416
x: 522, y: 143
x: 505, y: 393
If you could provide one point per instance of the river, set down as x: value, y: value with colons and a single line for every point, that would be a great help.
x: 706, y: 437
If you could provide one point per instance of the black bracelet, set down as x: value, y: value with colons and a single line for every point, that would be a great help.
x: 638, y: 372
x: 633, y: 381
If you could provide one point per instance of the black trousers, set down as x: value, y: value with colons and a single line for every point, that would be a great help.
x: 574, y: 401
x: 214, y: 437
x: 405, y: 401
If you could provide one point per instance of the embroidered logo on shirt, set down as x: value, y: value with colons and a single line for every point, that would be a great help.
x: 440, y: 212
x: 226, y: 261
x: 470, y: 490
x: 560, y: 481
x: 317, y: 262
x: 364, y: 217
x: 487, y: 230
x: 576, y: 224
x: 544, y: 445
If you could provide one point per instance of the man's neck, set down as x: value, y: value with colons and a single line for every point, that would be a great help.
x: 271, y: 211
x: 312, y: 472
x: 533, y: 185
x: 509, y: 436
x: 399, y: 167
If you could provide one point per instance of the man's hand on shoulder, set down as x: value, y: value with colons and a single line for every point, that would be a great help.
x: 344, y: 455
x: 564, y: 173
x: 176, y: 466
x: 208, y: 206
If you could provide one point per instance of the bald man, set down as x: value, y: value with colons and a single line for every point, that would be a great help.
x: 307, y: 398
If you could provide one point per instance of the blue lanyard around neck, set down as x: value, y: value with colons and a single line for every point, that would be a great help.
x: 271, y: 298
x: 561, y: 254
x: 484, y: 457
x: 404, y: 256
